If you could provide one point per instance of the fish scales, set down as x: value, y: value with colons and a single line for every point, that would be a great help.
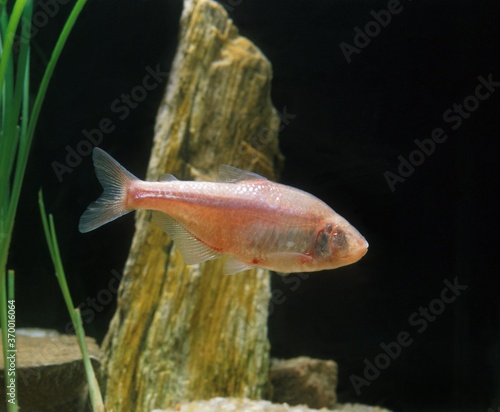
x: 247, y: 219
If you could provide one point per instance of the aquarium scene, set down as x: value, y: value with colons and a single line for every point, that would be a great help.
x: 249, y: 205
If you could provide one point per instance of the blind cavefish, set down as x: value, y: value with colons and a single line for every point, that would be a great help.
x: 249, y: 220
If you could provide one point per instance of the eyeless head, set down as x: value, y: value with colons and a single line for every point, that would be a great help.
x: 346, y: 244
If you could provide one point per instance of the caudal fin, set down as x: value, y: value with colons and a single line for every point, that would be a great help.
x: 114, y: 179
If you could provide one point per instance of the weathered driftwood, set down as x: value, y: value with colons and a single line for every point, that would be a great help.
x: 50, y: 372
x: 180, y: 332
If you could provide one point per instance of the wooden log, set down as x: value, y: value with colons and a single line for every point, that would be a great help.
x: 182, y: 333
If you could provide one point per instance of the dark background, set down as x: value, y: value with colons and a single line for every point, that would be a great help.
x: 352, y: 122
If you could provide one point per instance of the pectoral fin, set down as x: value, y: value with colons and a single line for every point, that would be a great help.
x: 282, y: 259
x: 192, y: 249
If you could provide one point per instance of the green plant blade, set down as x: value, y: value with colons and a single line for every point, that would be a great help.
x: 7, y: 301
x: 17, y: 128
x: 26, y: 140
x: 50, y: 236
x: 9, y: 37
x: 9, y: 204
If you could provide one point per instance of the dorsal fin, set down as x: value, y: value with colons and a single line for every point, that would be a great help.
x: 167, y: 177
x: 230, y: 174
x: 193, y: 251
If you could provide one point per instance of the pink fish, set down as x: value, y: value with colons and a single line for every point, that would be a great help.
x: 243, y: 217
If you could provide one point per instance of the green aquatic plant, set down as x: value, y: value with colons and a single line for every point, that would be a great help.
x: 7, y: 314
x: 76, y: 318
x: 18, y: 120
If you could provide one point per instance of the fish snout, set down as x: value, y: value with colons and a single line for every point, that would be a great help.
x: 360, y: 248
x: 348, y: 245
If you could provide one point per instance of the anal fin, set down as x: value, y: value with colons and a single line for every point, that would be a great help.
x: 232, y: 265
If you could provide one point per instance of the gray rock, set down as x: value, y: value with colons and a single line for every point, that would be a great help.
x: 50, y: 373
x: 234, y: 405
x: 305, y: 381
x: 247, y: 405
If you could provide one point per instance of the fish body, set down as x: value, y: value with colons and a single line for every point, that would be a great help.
x: 249, y: 220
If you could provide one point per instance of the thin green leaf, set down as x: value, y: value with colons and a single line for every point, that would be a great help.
x: 26, y: 139
x: 9, y: 37
x: 50, y: 235
x: 8, y: 206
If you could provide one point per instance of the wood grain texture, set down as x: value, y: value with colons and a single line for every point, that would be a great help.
x: 184, y: 333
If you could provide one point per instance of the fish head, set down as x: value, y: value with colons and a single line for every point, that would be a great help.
x: 338, y: 244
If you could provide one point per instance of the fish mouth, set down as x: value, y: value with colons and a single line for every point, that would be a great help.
x: 360, y: 249
x: 348, y: 245
x: 355, y: 249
